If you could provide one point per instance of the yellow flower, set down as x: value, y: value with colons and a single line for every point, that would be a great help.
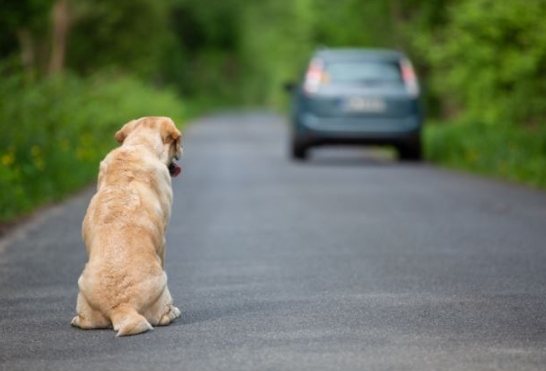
x: 39, y: 163
x: 37, y: 158
x: 8, y: 159
x: 35, y: 150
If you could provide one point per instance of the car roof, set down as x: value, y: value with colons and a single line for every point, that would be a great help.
x: 359, y: 54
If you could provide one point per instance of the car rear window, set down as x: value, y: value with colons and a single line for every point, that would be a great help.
x: 363, y: 72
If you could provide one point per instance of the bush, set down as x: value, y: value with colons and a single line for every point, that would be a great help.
x: 487, y: 62
x: 56, y: 131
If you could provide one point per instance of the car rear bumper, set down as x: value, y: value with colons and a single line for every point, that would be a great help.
x: 357, y: 130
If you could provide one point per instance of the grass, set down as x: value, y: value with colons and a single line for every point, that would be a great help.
x: 502, y: 151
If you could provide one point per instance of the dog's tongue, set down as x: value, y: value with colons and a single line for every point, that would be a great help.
x: 174, y: 169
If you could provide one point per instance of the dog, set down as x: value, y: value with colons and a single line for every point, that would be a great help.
x: 124, y: 285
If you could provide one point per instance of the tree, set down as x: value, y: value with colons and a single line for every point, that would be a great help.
x: 60, y: 25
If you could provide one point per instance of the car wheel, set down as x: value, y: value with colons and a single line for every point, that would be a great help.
x: 411, y: 151
x: 299, y: 150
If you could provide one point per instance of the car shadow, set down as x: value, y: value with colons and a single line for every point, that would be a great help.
x: 352, y: 157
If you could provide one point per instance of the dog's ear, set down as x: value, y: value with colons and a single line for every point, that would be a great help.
x: 124, y: 131
x: 169, y: 132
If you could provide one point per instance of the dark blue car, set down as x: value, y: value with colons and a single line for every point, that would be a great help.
x: 357, y: 96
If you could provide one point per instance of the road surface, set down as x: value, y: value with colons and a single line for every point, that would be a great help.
x: 348, y: 262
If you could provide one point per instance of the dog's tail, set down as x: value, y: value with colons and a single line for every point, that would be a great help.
x: 127, y: 321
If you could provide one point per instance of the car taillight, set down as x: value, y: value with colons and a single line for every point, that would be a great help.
x: 409, y: 77
x: 314, y: 76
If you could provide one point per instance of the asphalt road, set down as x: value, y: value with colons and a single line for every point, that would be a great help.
x: 348, y: 262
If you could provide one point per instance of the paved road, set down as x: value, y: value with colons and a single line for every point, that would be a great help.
x: 349, y: 262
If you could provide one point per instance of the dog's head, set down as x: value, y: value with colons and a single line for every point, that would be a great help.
x: 161, y: 132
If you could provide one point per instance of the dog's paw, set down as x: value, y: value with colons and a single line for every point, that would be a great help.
x: 176, y: 312
x: 76, y: 321
x: 172, y: 313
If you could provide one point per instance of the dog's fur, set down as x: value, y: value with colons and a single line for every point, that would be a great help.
x: 124, y: 285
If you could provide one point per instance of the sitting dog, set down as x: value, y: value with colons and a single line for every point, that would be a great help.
x: 124, y: 285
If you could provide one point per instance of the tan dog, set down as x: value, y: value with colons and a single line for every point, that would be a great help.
x: 124, y: 285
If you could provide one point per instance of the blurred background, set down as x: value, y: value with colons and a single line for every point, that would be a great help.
x: 73, y: 71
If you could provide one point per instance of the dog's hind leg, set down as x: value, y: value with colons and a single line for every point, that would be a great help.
x: 88, y: 318
x: 162, y: 311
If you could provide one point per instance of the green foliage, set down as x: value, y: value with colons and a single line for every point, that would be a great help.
x: 24, y: 19
x: 202, y: 60
x: 276, y: 49
x: 489, y: 58
x: 30, y: 14
x: 128, y: 34
x: 352, y: 23
x: 55, y: 132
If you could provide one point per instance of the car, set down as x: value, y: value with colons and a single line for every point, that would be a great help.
x: 357, y: 96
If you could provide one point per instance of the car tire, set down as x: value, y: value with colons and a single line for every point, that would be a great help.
x: 411, y: 151
x: 299, y: 150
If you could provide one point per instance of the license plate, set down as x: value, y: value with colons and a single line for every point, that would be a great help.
x: 368, y: 105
